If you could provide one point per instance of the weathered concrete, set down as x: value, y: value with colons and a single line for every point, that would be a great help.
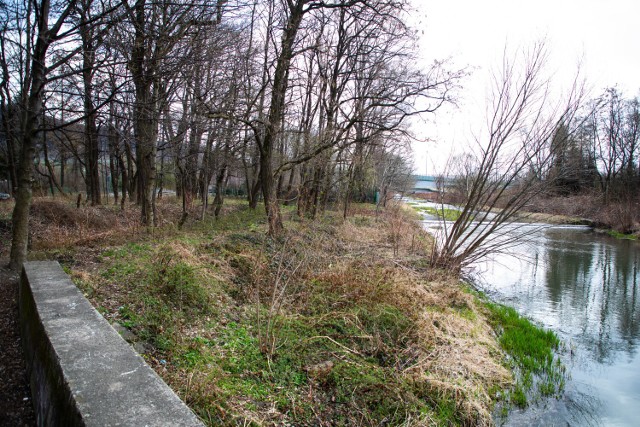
x: 82, y: 373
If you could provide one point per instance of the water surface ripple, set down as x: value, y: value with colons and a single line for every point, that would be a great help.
x: 584, y: 286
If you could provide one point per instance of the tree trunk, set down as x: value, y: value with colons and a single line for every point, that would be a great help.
x: 270, y: 196
x: 146, y: 154
x: 63, y: 161
x: 254, y: 192
x: 92, y: 151
x: 220, y: 189
x: 160, y: 177
x: 276, y: 110
x: 113, y: 162
x: 145, y: 120
x: 24, y: 193
x: 7, y: 113
x: 131, y: 174
x: 125, y: 182
x: 50, y: 170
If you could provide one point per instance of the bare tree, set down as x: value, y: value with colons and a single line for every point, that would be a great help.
x: 36, y: 69
x: 362, y: 92
x: 614, y: 124
x: 302, y: 93
x: 155, y: 54
x: 522, y: 120
x: 91, y: 35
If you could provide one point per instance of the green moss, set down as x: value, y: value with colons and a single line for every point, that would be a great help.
x: 161, y: 294
x: 446, y: 412
x: 243, y: 218
x: 177, y: 284
x: 358, y: 380
x: 467, y: 313
x: 367, y: 384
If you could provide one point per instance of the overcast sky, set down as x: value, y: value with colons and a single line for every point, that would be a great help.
x: 604, y: 36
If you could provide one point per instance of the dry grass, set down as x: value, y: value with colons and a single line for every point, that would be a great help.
x: 58, y: 223
x: 456, y: 353
x: 622, y: 215
x: 329, y: 272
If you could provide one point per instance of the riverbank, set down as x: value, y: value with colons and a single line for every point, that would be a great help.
x: 338, y: 322
x: 530, y: 215
x: 551, y: 218
x: 620, y: 218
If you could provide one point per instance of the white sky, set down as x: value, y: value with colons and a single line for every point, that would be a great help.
x: 604, y: 36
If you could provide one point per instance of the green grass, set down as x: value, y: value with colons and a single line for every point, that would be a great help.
x: 160, y: 293
x: 359, y: 382
x: 165, y: 295
x: 618, y: 235
x: 446, y: 214
x: 192, y: 296
x: 532, y: 356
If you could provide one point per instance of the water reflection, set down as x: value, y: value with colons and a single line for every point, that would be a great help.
x: 585, y: 287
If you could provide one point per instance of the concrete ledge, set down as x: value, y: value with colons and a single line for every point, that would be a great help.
x: 82, y: 373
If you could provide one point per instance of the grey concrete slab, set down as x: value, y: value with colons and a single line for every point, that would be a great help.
x: 82, y: 371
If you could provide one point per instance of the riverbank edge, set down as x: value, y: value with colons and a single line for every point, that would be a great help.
x: 521, y: 216
x: 533, y: 356
x: 533, y: 353
x: 555, y: 219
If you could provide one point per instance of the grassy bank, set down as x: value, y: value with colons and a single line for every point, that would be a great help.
x: 532, y: 357
x: 524, y: 216
x: 336, y: 323
x: 621, y: 217
x: 442, y: 213
x: 623, y: 236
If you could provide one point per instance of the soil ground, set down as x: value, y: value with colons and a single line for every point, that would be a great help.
x: 15, y: 397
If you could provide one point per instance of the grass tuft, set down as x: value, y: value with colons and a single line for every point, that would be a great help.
x: 446, y: 214
x: 531, y: 350
x: 618, y: 235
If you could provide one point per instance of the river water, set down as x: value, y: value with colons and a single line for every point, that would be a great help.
x: 584, y: 286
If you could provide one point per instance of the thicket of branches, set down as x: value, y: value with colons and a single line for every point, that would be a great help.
x: 593, y: 151
x: 282, y: 100
x: 536, y: 147
x: 501, y: 173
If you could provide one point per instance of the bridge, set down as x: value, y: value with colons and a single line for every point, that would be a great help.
x: 427, y: 183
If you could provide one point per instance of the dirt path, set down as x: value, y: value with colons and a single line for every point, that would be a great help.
x: 15, y: 396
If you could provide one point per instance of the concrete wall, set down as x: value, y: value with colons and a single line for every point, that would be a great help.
x: 82, y: 373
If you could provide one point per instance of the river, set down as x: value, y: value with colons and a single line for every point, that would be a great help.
x: 584, y: 286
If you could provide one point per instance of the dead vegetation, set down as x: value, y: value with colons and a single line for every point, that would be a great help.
x: 337, y: 323
x: 57, y: 224
x: 620, y: 215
